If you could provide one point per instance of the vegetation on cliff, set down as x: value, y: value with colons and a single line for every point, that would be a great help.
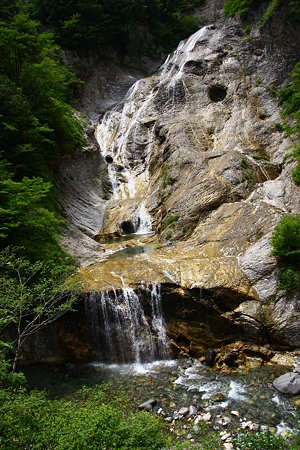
x: 285, y: 239
x: 289, y: 100
x: 38, y: 129
x: 238, y: 7
x: 286, y: 245
x: 98, y: 24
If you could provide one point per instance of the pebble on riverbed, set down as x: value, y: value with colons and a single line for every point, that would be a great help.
x: 148, y: 405
x: 183, y: 412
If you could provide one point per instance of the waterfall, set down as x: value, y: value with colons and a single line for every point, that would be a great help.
x: 121, y: 329
x: 126, y: 144
x: 158, y: 322
x: 144, y: 221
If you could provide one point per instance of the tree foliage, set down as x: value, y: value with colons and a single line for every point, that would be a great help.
x: 286, y: 238
x: 243, y: 7
x: 237, y: 7
x: 37, y: 123
x: 95, y: 23
x: 286, y: 244
x: 37, y: 129
x: 289, y: 99
x: 32, y: 295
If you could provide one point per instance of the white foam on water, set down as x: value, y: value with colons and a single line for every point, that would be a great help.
x: 145, y: 223
x: 237, y: 391
x: 277, y: 400
x: 133, y: 368
x: 210, y: 389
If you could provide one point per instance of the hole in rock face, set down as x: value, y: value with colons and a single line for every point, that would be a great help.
x: 109, y: 159
x: 217, y: 93
x: 195, y: 67
x: 129, y: 227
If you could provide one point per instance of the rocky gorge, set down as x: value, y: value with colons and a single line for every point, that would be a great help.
x: 181, y: 187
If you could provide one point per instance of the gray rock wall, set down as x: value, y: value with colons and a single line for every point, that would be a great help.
x: 200, y: 143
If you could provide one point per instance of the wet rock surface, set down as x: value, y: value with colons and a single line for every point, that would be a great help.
x: 195, y: 147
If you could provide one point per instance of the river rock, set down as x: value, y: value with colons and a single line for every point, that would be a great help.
x: 192, y: 410
x: 206, y: 417
x: 196, y: 429
x: 183, y: 411
x: 228, y: 446
x: 148, y: 405
x: 283, y: 359
x: 288, y: 383
x: 210, y: 356
x: 218, y: 397
x: 224, y: 421
x: 224, y: 436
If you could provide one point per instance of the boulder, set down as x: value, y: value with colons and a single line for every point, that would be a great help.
x: 289, y: 383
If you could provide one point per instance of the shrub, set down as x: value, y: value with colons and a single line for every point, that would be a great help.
x: 286, y: 238
x: 289, y: 99
x: 90, y: 420
x: 289, y: 280
x: 270, y: 11
x: 286, y: 244
x: 258, y: 81
x: 279, y: 127
x: 167, y: 180
x: 172, y: 219
x: 237, y: 7
x: 244, y: 164
x: 296, y: 175
x: 259, y: 441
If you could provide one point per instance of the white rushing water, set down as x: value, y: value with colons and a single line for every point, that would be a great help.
x: 144, y: 221
x: 134, y: 368
x: 120, y: 329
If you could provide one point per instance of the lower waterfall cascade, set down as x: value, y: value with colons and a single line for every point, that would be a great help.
x: 120, y: 328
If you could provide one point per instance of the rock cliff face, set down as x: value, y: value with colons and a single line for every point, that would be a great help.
x: 193, y: 155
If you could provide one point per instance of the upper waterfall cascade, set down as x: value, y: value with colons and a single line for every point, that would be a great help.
x: 119, y: 132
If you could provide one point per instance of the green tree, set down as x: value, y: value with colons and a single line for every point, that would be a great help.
x: 289, y: 99
x: 98, y: 24
x: 32, y: 295
x: 286, y: 244
x: 238, y: 7
x: 26, y: 221
x: 38, y: 124
x: 286, y: 238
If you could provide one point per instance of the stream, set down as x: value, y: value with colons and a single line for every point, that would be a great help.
x: 226, y: 402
